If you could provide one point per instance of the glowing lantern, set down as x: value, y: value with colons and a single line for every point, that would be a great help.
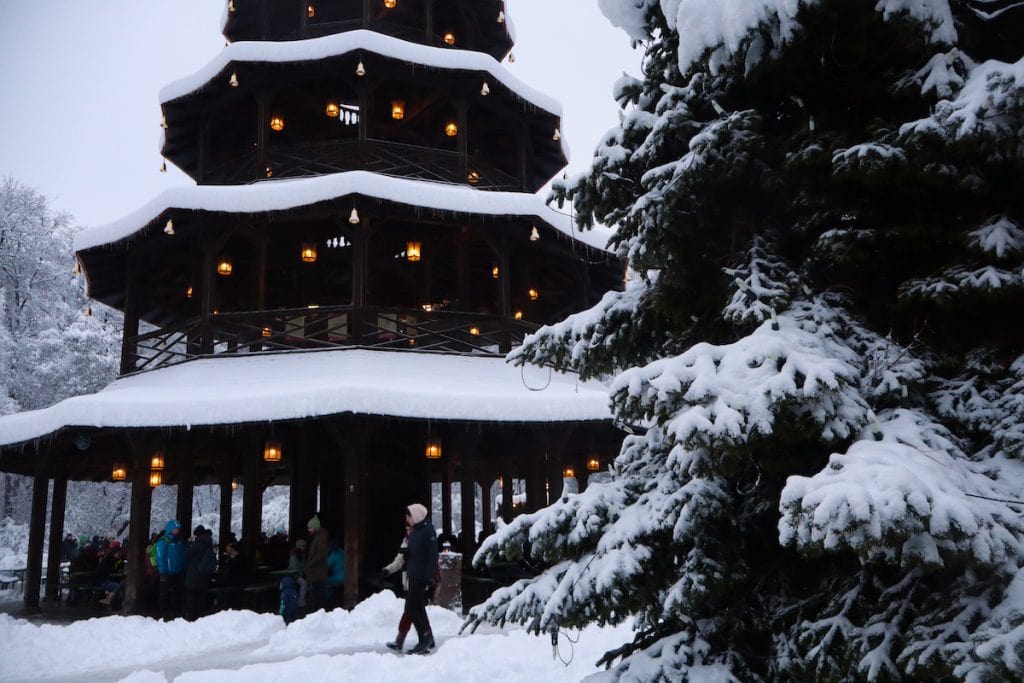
x: 449, y: 38
x: 224, y: 266
x: 157, y: 461
x: 518, y: 315
x: 276, y: 122
x: 412, y: 251
x: 272, y: 450
x: 265, y: 332
x: 495, y: 272
x: 310, y: 11
x: 473, y: 177
x: 120, y: 473
x: 390, y: 4
x: 398, y: 109
x: 451, y: 129
x: 332, y: 110
x: 188, y: 292
x: 155, y: 479
x: 593, y: 464
x: 308, y: 252
x: 534, y: 294
x: 433, y: 449
x: 568, y: 473
x: 474, y: 330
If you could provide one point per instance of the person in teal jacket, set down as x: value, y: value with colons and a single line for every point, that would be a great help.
x: 335, y: 572
x: 170, y: 562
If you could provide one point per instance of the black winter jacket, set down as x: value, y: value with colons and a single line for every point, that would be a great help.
x: 421, y: 560
x: 200, y: 563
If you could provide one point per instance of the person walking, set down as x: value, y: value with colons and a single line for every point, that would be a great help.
x: 316, y: 565
x: 201, y: 563
x: 170, y: 562
x: 421, y: 567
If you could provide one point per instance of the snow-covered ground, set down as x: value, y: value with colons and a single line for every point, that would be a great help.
x: 325, y: 646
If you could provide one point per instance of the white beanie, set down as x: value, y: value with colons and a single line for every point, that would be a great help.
x: 417, y: 512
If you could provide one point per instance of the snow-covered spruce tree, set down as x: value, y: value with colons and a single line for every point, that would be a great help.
x: 819, y: 354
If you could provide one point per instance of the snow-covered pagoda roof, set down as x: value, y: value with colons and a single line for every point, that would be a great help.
x: 363, y: 41
x: 286, y: 386
x: 285, y: 194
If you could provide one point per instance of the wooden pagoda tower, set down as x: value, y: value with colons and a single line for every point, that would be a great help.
x: 365, y: 204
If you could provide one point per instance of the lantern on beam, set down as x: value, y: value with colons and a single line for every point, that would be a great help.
x: 413, y: 251
x: 390, y: 4
x: 474, y: 330
x: 308, y: 252
x: 120, y: 473
x: 518, y: 315
x: 272, y: 450
x: 188, y: 292
x: 495, y: 272
x: 398, y: 109
x: 473, y: 177
x: 276, y: 122
x: 156, y: 463
x: 156, y: 478
x: 593, y: 464
x: 451, y: 129
x: 569, y: 473
x: 332, y: 110
x: 433, y: 449
x: 534, y: 294
x: 310, y: 11
x: 224, y: 266
x: 449, y: 38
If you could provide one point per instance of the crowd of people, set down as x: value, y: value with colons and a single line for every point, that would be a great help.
x: 181, y: 570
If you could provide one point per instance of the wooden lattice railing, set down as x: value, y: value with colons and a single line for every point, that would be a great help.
x: 324, y: 328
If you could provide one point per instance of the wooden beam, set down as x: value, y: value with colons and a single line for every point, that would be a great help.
x: 252, y: 493
x: 185, y: 462
x: 129, y: 348
x: 226, y: 494
x: 36, y: 530
x: 138, y: 529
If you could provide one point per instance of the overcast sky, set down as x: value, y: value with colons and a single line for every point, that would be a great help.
x: 79, y: 83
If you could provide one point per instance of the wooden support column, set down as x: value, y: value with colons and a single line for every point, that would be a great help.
x: 355, y: 497
x: 428, y: 22
x: 367, y: 11
x: 206, y: 299
x: 535, y: 480
x: 302, y: 495
x: 252, y: 495
x: 226, y: 491
x: 462, y: 141
x: 262, y: 126
x: 57, y: 508
x: 203, y: 149
x: 505, y: 279
x: 129, y: 348
x: 261, y: 276
x: 506, y: 494
x: 183, y: 460
x: 302, y: 6
x: 138, y: 533
x: 359, y: 237
x: 485, y: 505
x: 36, y: 530
x: 468, y: 531
x: 525, y: 156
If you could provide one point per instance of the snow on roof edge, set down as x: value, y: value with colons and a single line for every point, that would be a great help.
x: 238, y: 389
x: 289, y: 193
x: 333, y: 45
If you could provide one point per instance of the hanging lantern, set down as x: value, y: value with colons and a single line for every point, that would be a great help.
x: 433, y: 449
x: 169, y: 228
x: 398, y: 109
x: 231, y: 5
x: 188, y: 292
x: 332, y: 110
x: 412, y: 251
x: 155, y: 479
x: 353, y: 217
x: 310, y: 11
x: 533, y: 294
x: 163, y: 122
x: 234, y: 484
x: 233, y: 81
x: 451, y: 129
x: 501, y: 16
x: 390, y: 4
x: 276, y: 123
x: 569, y: 473
x: 268, y: 172
x: 120, y: 473
x: 534, y: 234
x: 449, y: 38
x: 157, y: 461
x: 272, y: 450
x: 593, y: 464
x: 224, y: 266
x: 485, y: 89
x: 308, y: 252
x: 474, y: 330
x: 557, y: 135
x: 163, y: 166
x: 265, y: 332
x: 473, y: 177
x: 360, y: 69
x: 518, y: 315
x: 511, y: 58
x: 495, y: 272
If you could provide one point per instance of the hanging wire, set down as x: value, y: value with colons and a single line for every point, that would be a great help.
x: 522, y: 376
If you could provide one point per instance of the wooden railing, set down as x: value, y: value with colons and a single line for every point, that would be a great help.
x: 324, y: 328
x: 336, y: 156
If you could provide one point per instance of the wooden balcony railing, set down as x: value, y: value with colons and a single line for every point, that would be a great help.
x: 336, y: 156
x: 324, y: 328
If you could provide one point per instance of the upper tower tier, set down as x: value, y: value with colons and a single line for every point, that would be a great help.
x: 467, y: 24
